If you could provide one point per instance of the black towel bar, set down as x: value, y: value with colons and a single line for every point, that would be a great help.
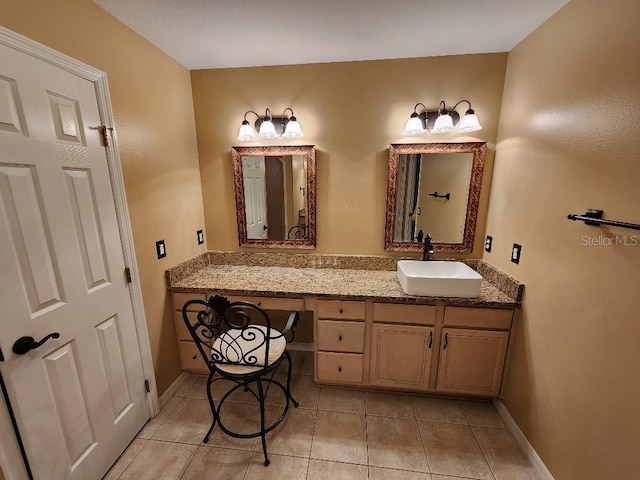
x: 594, y: 217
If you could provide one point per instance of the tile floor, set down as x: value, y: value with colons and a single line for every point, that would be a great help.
x: 335, y: 434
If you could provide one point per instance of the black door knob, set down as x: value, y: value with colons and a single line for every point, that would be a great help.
x: 25, y: 344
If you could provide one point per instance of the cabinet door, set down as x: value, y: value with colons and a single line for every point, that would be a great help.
x: 472, y: 361
x: 401, y: 356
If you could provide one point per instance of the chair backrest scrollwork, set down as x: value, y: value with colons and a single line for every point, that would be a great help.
x: 230, y: 333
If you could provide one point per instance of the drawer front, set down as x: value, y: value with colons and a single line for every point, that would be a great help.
x: 271, y: 303
x: 190, y: 358
x: 408, y: 314
x: 339, y: 309
x: 340, y: 367
x: 180, y: 298
x: 478, y: 317
x: 339, y: 336
x: 181, y: 328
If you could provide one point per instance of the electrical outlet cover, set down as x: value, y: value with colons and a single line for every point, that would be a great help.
x: 488, y: 243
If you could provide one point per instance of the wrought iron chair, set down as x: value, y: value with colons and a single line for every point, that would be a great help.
x: 237, y: 343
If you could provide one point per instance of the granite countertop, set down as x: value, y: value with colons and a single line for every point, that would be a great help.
x: 344, y: 283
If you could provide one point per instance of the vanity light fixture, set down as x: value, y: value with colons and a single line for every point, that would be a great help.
x: 270, y: 127
x: 442, y: 120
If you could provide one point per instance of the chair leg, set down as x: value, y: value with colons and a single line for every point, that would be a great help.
x: 261, y: 397
x: 213, y: 409
x: 295, y: 404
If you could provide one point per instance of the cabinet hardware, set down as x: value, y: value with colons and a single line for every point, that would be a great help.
x: 339, y: 338
x: 340, y: 310
x: 430, y: 339
x: 194, y: 357
x: 339, y: 368
x: 446, y: 341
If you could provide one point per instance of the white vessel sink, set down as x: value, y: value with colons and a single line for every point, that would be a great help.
x: 438, y: 279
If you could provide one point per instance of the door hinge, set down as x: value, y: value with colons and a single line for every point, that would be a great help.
x: 146, y: 385
x: 103, y: 133
x: 127, y: 274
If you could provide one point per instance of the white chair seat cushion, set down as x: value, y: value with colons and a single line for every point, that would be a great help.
x: 237, y: 343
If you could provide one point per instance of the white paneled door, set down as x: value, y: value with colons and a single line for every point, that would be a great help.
x: 80, y: 398
x: 255, y: 196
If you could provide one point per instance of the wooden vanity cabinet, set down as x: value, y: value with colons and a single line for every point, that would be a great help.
x: 444, y: 349
x: 473, y: 350
x: 190, y: 358
x: 340, y: 342
x: 402, y: 345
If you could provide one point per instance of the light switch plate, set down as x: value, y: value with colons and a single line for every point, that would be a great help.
x: 200, y: 237
x: 161, y: 250
x: 515, y: 253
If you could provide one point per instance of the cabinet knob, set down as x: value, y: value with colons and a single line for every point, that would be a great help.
x: 339, y: 338
x: 339, y: 368
x: 340, y: 310
x: 194, y: 357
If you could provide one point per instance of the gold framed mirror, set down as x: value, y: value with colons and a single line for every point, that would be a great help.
x: 433, y: 188
x: 275, y: 189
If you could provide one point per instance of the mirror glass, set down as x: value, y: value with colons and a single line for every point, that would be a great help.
x: 433, y: 189
x: 275, y: 196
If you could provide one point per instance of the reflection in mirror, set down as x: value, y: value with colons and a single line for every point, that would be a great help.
x: 275, y: 196
x: 433, y: 189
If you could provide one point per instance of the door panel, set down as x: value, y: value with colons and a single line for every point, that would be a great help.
x: 78, y: 399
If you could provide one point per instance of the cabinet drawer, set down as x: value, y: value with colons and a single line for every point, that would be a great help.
x: 190, y: 358
x: 408, y: 314
x: 272, y: 303
x: 478, y: 317
x: 339, y: 309
x: 181, y: 328
x: 339, y: 336
x: 180, y: 298
x: 340, y: 367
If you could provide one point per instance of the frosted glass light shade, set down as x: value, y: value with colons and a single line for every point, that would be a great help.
x: 267, y: 130
x: 469, y: 123
x: 413, y: 126
x: 246, y: 132
x: 293, y: 129
x: 444, y: 124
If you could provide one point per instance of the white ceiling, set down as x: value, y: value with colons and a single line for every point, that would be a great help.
x: 240, y: 33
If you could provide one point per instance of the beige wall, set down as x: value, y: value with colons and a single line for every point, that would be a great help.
x: 351, y: 112
x: 569, y: 140
x: 153, y: 109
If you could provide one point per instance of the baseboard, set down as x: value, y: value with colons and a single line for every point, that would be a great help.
x: 168, y: 393
x: 532, y: 455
